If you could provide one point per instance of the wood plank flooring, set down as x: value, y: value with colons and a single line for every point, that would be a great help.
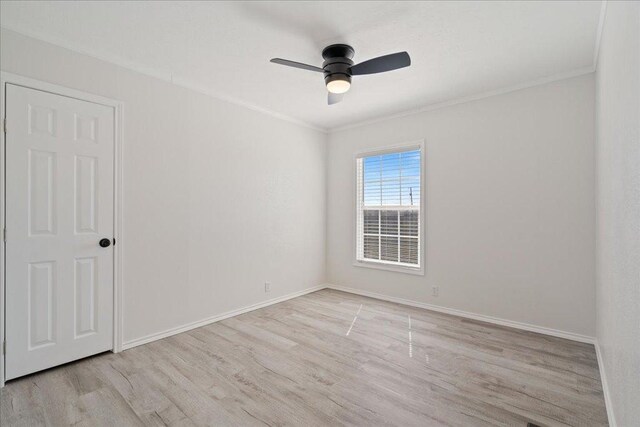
x: 327, y: 358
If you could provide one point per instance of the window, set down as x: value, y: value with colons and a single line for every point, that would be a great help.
x: 388, y: 209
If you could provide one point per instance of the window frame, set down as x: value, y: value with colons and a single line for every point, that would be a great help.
x: 388, y: 265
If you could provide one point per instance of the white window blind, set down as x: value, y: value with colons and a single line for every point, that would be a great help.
x: 388, y: 208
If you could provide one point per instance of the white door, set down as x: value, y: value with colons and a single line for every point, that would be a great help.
x: 59, y: 205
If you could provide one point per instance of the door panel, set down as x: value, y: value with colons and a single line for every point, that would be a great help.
x: 41, y: 294
x: 59, y: 281
x: 85, y: 296
x: 85, y: 194
x: 41, y: 172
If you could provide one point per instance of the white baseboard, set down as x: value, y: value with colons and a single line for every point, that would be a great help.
x: 460, y: 313
x: 179, y: 329
x: 605, y: 387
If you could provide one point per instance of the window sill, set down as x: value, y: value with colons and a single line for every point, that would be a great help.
x: 390, y: 267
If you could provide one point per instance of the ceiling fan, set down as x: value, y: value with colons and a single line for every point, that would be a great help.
x: 338, y: 67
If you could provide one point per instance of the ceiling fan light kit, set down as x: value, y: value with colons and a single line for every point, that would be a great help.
x: 338, y: 83
x: 338, y: 67
x: 337, y: 64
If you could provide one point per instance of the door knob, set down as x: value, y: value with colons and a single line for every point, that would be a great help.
x: 105, y: 243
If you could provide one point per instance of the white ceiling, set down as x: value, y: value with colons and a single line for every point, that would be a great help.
x: 458, y: 49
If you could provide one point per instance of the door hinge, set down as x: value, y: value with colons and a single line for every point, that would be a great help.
x: 4, y: 125
x: 4, y: 347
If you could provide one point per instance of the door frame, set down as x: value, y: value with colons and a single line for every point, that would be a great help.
x: 118, y: 107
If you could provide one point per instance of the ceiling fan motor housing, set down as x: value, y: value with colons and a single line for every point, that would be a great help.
x: 337, y: 62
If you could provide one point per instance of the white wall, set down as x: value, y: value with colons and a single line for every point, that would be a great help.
x: 217, y: 198
x: 618, y: 208
x: 509, y: 206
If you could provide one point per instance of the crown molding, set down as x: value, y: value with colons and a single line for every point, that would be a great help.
x: 596, y: 49
x: 470, y: 98
x: 158, y: 74
x: 462, y: 100
x: 187, y: 84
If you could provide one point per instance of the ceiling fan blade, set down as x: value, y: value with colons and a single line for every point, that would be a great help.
x: 382, y: 64
x: 334, y: 98
x: 296, y: 64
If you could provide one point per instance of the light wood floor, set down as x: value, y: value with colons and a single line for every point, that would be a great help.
x: 307, y: 362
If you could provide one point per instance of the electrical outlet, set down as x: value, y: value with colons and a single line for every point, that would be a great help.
x: 435, y: 291
x: 267, y: 286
